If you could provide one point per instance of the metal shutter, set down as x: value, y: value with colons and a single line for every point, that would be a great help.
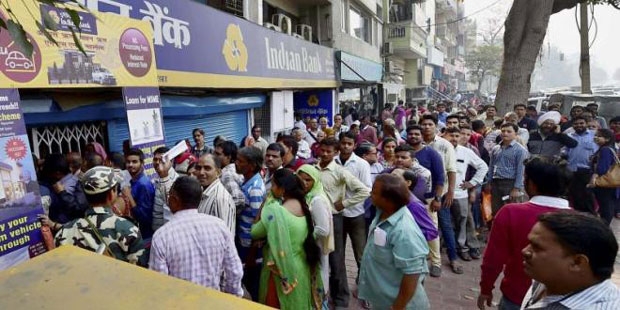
x: 232, y: 125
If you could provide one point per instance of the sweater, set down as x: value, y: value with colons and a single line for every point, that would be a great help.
x: 508, y: 237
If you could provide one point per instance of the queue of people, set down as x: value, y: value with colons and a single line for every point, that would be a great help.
x: 270, y: 221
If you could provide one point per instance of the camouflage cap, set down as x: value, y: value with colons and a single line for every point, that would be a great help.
x: 99, y: 179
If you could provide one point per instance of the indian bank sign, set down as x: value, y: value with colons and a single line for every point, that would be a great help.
x: 280, y: 57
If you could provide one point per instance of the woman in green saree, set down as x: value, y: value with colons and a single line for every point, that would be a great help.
x: 290, y: 278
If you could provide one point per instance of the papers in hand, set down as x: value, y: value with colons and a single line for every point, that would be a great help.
x: 177, y: 150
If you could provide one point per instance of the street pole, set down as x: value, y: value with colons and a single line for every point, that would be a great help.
x: 584, y: 65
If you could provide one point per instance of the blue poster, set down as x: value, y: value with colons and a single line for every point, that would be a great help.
x: 146, y: 124
x: 315, y: 104
x: 20, y: 199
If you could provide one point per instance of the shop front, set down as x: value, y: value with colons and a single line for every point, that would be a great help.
x: 361, y: 90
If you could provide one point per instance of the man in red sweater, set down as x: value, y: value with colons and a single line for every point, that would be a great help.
x: 545, y: 182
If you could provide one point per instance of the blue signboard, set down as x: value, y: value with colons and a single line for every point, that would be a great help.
x: 199, y: 46
x: 315, y: 104
x: 353, y: 68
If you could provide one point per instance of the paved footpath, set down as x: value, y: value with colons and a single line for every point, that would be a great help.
x: 452, y: 291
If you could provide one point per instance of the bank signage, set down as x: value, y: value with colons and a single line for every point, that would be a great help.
x: 199, y: 46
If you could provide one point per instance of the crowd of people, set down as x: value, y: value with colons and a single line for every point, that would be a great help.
x: 270, y: 221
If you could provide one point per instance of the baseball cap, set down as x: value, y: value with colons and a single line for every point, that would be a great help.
x: 99, y: 179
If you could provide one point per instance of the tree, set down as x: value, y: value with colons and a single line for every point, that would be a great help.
x: 525, y: 29
x: 17, y: 32
x: 485, y: 60
x: 482, y: 62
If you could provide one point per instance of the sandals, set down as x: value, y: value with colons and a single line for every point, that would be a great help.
x: 456, y: 268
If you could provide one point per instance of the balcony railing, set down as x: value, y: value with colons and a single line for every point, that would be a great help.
x: 407, y: 37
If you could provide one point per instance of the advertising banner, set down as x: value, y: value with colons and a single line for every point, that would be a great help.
x: 200, y: 46
x: 146, y: 125
x: 315, y: 104
x: 119, y: 51
x: 20, y: 199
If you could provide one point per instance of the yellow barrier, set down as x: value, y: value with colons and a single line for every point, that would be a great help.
x: 72, y: 278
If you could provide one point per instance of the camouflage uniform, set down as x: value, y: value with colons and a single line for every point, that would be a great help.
x: 122, y: 237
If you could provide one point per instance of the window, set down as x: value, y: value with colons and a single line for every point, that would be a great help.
x: 269, y: 11
x: 359, y: 25
x: 234, y: 7
x: 66, y: 138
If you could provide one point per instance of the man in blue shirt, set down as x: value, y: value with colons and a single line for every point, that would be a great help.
x: 431, y: 160
x: 506, y: 169
x: 143, y: 192
x: 249, y: 163
x: 579, y: 163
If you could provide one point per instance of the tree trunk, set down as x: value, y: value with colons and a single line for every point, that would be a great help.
x: 526, y: 26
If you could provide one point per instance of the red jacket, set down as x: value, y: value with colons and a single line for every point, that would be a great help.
x: 508, y: 237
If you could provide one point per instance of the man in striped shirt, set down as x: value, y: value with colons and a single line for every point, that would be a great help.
x: 571, y: 258
x: 249, y: 163
x: 216, y: 200
x: 195, y: 247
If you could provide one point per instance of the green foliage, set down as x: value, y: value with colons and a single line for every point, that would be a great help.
x: 483, y: 61
x: 18, y: 34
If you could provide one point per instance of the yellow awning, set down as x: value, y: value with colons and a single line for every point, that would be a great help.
x: 72, y: 278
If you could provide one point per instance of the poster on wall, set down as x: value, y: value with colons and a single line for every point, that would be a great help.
x: 146, y: 124
x: 118, y: 51
x: 20, y: 199
x: 315, y: 104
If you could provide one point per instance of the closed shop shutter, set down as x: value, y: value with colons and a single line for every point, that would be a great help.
x: 232, y: 125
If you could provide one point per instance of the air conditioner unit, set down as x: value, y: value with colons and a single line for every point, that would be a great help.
x: 388, y: 66
x: 284, y: 22
x: 272, y: 27
x: 388, y: 48
x: 305, y: 31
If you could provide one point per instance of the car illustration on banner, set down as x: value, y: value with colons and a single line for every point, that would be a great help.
x: 16, y: 59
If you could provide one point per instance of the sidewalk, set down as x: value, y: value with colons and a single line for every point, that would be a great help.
x: 452, y: 291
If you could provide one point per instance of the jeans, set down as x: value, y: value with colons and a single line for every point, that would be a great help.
x: 607, y: 203
x: 505, y: 304
x: 475, y: 208
x: 447, y: 231
x: 581, y: 197
x: 355, y: 227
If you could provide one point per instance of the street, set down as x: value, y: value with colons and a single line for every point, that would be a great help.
x: 452, y: 291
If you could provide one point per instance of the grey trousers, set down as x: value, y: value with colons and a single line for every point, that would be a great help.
x: 464, y: 225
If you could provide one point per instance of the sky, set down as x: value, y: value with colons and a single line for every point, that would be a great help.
x: 563, y: 33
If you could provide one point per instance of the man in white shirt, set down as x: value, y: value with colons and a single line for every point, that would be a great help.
x: 313, y: 130
x: 304, y: 148
x: 166, y: 177
x: 354, y: 222
x: 368, y: 152
x: 571, y: 258
x: 467, y: 242
x: 216, y: 200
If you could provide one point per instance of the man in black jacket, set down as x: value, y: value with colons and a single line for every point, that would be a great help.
x: 548, y: 141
